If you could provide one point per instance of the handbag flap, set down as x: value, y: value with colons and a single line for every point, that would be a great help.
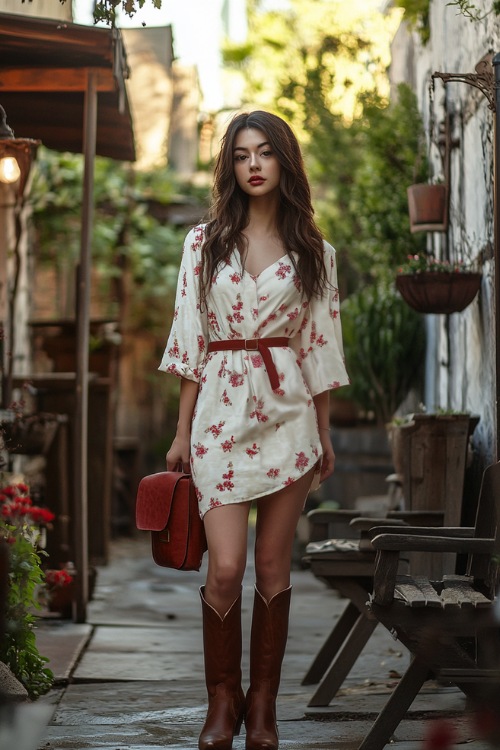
x: 154, y: 499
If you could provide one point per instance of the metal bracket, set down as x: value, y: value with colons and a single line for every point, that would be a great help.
x: 483, y: 79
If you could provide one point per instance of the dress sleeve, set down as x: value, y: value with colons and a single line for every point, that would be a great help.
x: 321, y: 353
x: 187, y: 342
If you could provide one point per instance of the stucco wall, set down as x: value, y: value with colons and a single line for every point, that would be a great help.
x: 460, y: 372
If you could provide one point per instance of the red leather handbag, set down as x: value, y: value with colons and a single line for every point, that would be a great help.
x: 167, y: 507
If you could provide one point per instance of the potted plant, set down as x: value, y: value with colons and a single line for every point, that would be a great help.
x: 21, y: 527
x: 430, y: 285
x: 60, y: 590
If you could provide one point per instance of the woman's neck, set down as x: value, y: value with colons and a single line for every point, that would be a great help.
x: 262, y: 216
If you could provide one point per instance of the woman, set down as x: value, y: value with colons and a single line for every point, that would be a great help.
x: 257, y: 342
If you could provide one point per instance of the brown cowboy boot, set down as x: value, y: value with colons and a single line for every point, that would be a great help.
x: 226, y: 700
x: 267, y: 648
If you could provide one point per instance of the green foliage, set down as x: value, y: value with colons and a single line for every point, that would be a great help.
x: 378, y: 203
x: 360, y: 182
x: 384, y: 344
x: 350, y: 42
x: 472, y: 12
x: 425, y: 262
x: 105, y: 10
x: 417, y: 15
x: 18, y: 648
x: 132, y: 243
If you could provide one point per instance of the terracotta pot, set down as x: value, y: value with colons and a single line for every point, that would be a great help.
x: 438, y: 292
x: 60, y: 600
x: 428, y: 207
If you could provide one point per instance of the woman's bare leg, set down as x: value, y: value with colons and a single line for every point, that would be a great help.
x: 277, y: 519
x: 226, y: 528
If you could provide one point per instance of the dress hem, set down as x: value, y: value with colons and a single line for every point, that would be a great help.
x: 265, y: 493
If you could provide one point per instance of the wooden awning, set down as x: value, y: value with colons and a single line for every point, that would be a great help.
x: 44, y: 68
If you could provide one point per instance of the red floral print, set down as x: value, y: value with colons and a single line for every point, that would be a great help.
x: 257, y: 360
x: 200, y: 450
x: 273, y: 473
x: 253, y: 451
x: 258, y: 413
x: 302, y: 462
x: 225, y: 399
x: 283, y: 270
x: 215, y: 429
x: 212, y: 321
x: 236, y: 379
x: 227, y: 445
x: 227, y: 484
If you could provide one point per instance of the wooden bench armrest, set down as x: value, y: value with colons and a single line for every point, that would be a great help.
x: 364, y: 523
x: 325, y: 523
x: 415, y: 543
x: 459, y: 532
x: 418, y: 517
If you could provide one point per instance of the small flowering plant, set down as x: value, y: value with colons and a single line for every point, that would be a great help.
x: 17, y: 509
x: 21, y: 526
x: 58, y: 579
x: 428, y: 263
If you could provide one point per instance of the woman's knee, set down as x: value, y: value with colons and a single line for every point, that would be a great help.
x: 271, y: 567
x: 225, y: 575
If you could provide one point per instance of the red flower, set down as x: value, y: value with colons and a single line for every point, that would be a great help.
x: 58, y: 578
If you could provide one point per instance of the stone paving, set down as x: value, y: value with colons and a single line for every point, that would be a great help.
x: 132, y: 677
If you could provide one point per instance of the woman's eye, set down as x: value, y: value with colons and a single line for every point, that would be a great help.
x: 267, y: 153
x: 240, y: 157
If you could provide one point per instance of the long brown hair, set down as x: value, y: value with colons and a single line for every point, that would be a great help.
x: 229, y: 212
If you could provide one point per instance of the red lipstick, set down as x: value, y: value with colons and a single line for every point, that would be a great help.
x: 256, y: 180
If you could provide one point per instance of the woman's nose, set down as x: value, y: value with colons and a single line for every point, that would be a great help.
x: 254, y: 161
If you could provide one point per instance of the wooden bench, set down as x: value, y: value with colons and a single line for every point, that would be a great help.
x: 347, y: 565
x: 433, y: 453
x: 449, y: 625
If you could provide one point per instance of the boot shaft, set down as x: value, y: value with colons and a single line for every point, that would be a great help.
x: 222, y: 645
x: 268, y: 639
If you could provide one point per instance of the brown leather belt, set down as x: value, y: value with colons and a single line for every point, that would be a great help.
x: 255, y: 345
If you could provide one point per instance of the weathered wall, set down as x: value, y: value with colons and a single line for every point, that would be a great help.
x: 150, y: 90
x: 461, y: 347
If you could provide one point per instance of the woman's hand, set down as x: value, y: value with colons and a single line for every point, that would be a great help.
x: 179, y: 454
x: 328, y: 460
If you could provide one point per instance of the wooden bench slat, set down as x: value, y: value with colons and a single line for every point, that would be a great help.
x: 417, y: 592
x: 460, y: 589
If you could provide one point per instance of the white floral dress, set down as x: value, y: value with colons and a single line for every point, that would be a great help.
x: 248, y: 440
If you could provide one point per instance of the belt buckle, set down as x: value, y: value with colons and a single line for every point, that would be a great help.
x: 252, y: 348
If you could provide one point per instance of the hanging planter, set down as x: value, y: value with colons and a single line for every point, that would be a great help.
x: 428, y: 207
x: 438, y: 292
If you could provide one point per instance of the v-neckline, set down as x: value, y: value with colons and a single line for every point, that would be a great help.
x: 257, y: 276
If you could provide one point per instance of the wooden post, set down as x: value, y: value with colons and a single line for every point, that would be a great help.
x: 82, y: 353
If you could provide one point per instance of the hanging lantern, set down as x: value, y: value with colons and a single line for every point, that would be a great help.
x: 16, y: 157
